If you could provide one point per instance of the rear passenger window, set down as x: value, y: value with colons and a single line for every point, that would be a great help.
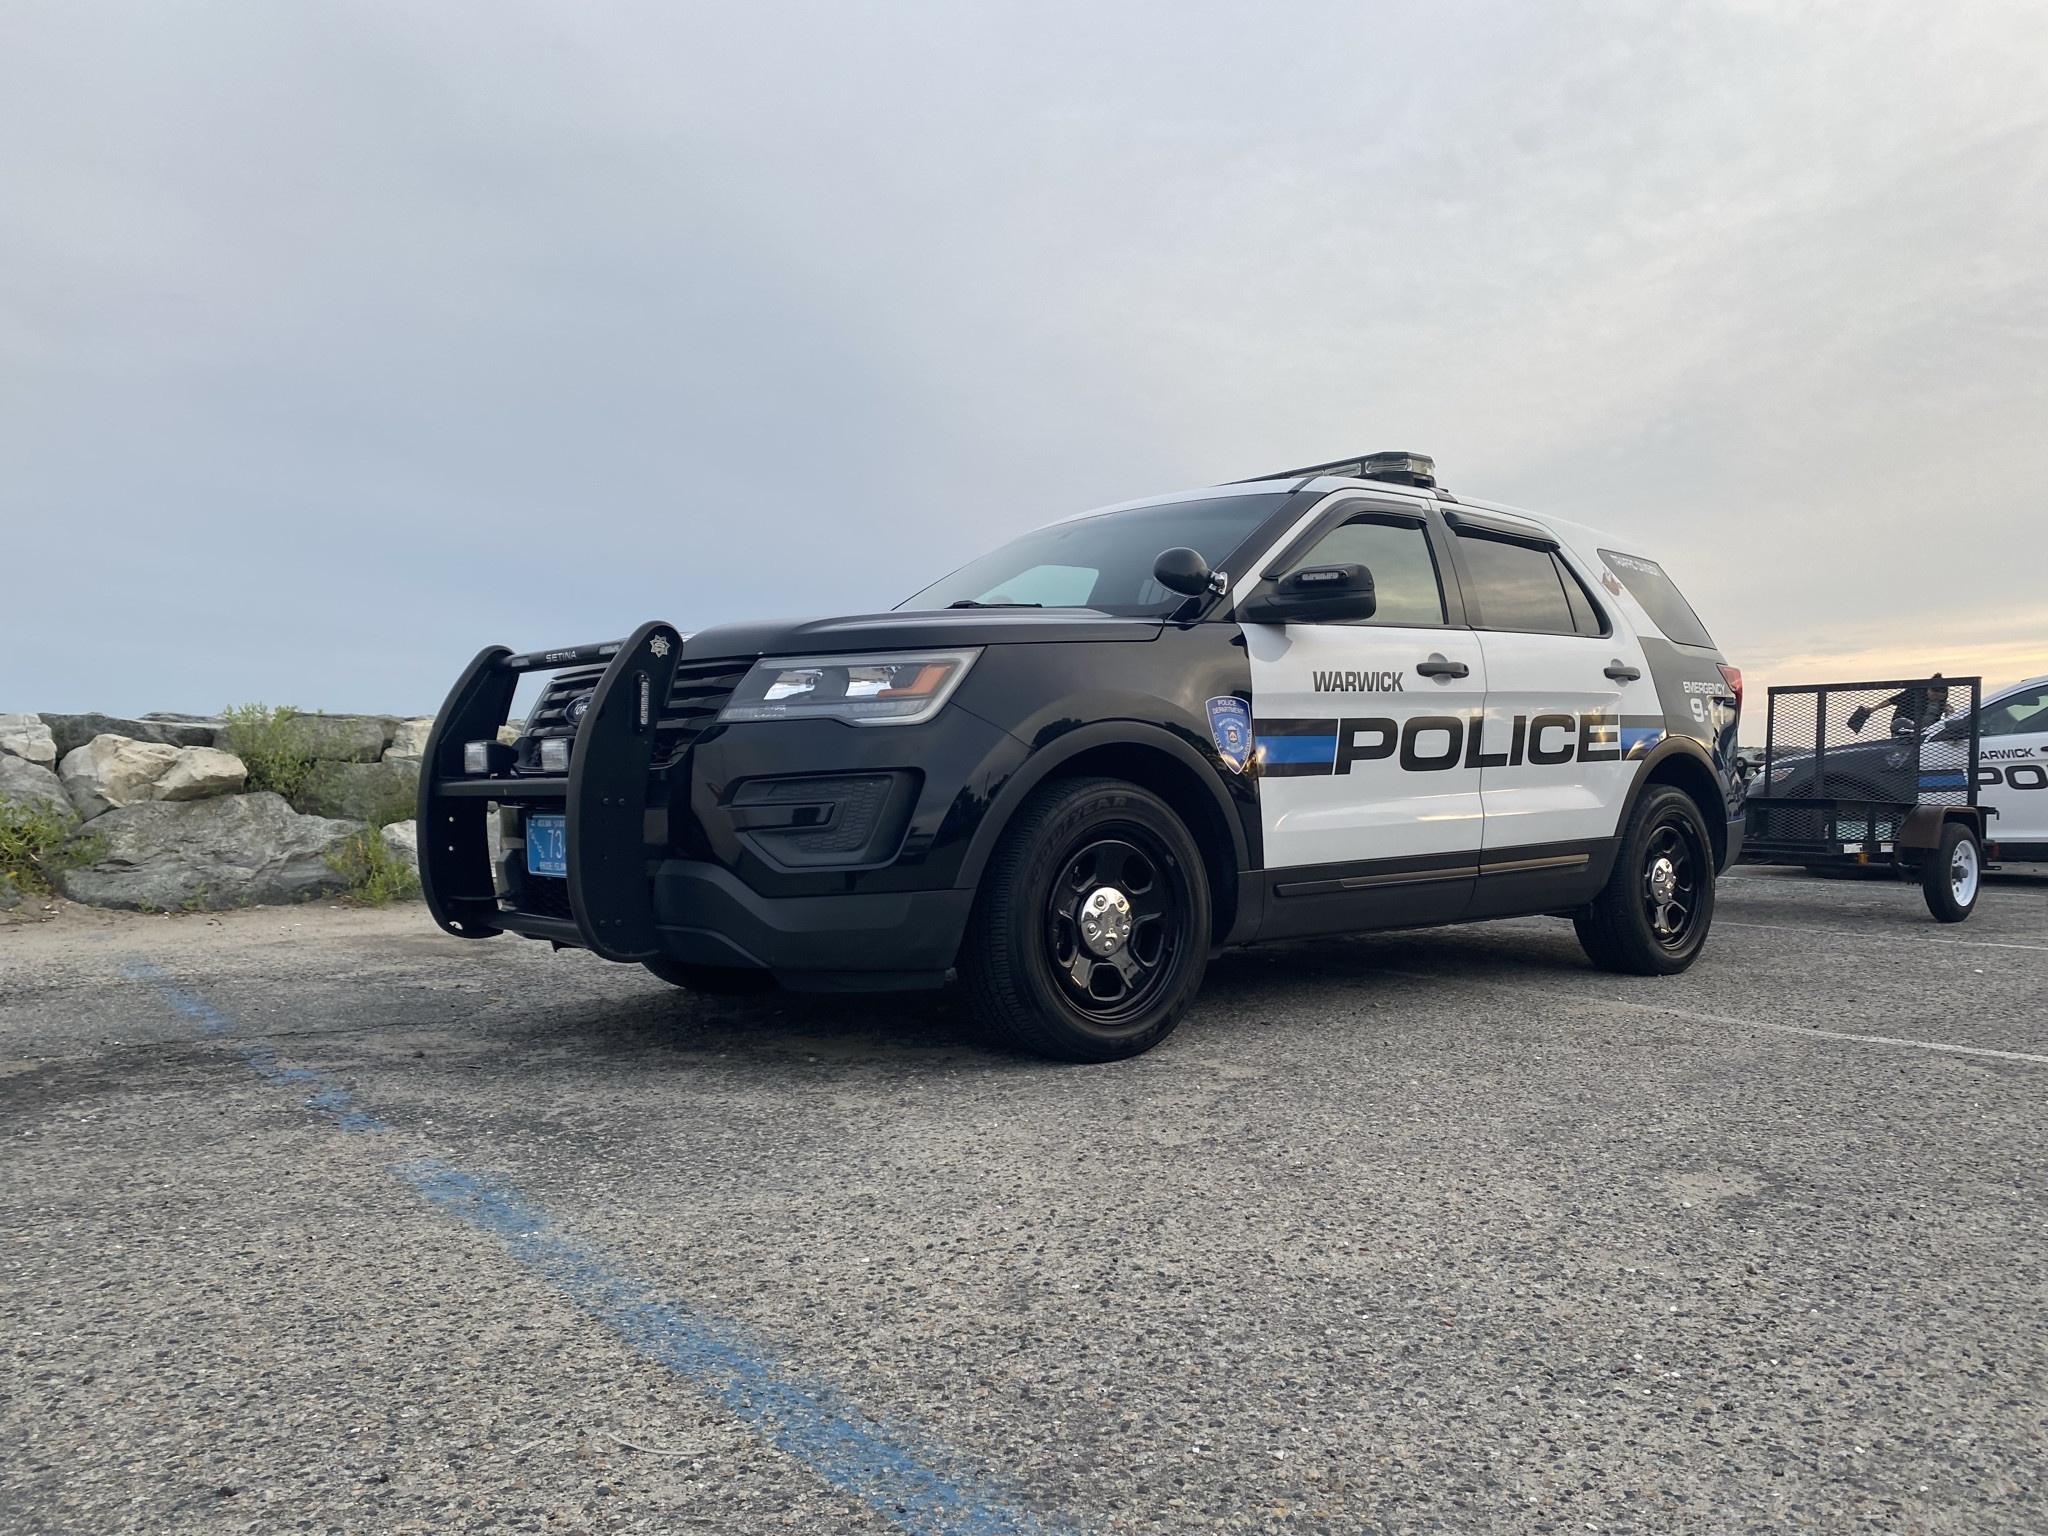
x: 1404, y: 582
x: 1521, y: 587
x: 1585, y: 615
x: 1660, y: 597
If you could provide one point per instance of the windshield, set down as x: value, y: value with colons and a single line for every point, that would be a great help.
x: 1103, y: 562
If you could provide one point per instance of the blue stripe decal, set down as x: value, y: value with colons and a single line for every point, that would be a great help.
x: 1943, y: 780
x: 1297, y: 749
x: 904, y: 1474
x: 1633, y: 736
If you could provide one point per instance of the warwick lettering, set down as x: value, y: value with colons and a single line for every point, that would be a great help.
x: 1359, y: 682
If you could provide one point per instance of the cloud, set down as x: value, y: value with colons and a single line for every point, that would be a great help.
x: 338, y: 342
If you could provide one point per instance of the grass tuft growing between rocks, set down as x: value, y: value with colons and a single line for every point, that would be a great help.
x: 36, y: 842
x: 271, y: 743
x: 376, y: 876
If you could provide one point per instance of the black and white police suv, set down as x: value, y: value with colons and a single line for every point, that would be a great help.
x: 1326, y: 701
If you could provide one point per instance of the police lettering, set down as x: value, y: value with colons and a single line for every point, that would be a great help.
x: 1435, y: 743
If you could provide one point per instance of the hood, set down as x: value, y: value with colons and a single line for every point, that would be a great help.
x: 944, y: 628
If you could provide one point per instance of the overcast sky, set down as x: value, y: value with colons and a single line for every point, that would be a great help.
x: 339, y: 340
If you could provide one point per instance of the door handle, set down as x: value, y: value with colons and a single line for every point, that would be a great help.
x: 1437, y: 666
x: 1622, y: 672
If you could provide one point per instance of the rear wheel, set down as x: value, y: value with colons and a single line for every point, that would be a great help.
x: 1951, y: 874
x: 1652, y: 917
x: 712, y: 980
x: 1091, y: 930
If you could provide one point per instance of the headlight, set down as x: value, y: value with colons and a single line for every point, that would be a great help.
x: 904, y: 688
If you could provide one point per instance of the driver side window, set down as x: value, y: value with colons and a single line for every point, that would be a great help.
x: 2021, y: 715
x: 1404, y: 580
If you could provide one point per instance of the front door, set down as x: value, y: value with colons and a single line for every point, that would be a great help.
x: 1371, y: 811
x: 2012, y: 773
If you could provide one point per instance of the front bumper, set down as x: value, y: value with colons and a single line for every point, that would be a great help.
x: 632, y: 893
x: 881, y: 941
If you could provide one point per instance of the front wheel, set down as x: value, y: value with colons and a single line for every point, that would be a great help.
x: 1091, y: 930
x: 1651, y: 918
x: 1952, y: 873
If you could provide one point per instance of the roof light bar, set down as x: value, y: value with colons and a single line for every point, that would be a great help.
x: 1397, y: 468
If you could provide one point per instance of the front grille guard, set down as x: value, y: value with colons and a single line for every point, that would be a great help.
x: 603, y: 796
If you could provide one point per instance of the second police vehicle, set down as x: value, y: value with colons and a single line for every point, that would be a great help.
x: 1327, y: 701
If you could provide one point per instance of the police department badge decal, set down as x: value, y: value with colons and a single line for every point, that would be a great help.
x: 1230, y: 723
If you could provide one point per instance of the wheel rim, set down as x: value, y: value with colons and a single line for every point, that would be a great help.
x: 1115, y: 924
x: 1674, y: 871
x: 1962, y: 872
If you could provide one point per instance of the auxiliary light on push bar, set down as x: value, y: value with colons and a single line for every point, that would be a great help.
x: 480, y: 758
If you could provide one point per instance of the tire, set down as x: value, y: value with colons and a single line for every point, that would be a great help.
x: 712, y: 980
x: 1091, y: 930
x: 1652, y: 917
x: 1952, y: 875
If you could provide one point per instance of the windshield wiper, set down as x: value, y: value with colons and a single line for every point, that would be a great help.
x: 968, y: 602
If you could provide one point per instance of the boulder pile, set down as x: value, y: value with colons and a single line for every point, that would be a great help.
x: 157, y: 813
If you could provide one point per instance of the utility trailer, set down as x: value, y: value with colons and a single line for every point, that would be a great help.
x: 1874, y: 773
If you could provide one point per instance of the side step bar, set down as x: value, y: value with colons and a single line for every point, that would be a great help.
x: 604, y: 796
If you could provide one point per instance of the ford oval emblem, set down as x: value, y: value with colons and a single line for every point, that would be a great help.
x: 578, y: 708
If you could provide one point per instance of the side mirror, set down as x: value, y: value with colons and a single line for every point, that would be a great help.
x: 1315, y: 594
x: 1183, y: 571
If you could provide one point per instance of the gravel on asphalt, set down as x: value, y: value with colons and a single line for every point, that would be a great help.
x: 319, y: 1219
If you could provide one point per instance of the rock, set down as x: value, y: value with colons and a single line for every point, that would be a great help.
x: 26, y: 737
x: 74, y: 731
x: 112, y: 771
x: 22, y: 781
x: 378, y: 792
x: 409, y: 740
x: 345, y: 738
x: 508, y: 733
x: 10, y: 893
x: 200, y: 773
x: 230, y: 851
x: 402, y: 840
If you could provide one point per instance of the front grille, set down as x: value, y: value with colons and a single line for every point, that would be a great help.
x: 695, y: 697
x: 545, y: 896
x: 550, y: 716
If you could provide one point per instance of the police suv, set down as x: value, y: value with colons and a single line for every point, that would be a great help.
x: 1327, y: 701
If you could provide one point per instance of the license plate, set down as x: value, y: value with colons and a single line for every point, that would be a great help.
x: 547, y: 846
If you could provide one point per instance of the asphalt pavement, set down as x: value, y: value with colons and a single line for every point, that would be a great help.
x: 317, y: 1219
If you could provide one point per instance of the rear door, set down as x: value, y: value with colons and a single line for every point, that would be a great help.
x: 1370, y: 810
x: 1561, y: 680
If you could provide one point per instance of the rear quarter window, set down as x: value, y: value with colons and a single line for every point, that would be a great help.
x: 1659, y: 597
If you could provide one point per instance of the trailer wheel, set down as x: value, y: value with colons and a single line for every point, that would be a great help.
x: 1091, y: 930
x: 1652, y: 917
x: 712, y: 980
x: 1951, y: 875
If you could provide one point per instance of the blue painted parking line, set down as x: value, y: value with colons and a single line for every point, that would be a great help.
x: 899, y: 1471
x: 902, y: 1472
x: 335, y: 1103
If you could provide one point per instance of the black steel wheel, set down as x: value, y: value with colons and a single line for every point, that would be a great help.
x: 1091, y: 930
x: 1652, y: 917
